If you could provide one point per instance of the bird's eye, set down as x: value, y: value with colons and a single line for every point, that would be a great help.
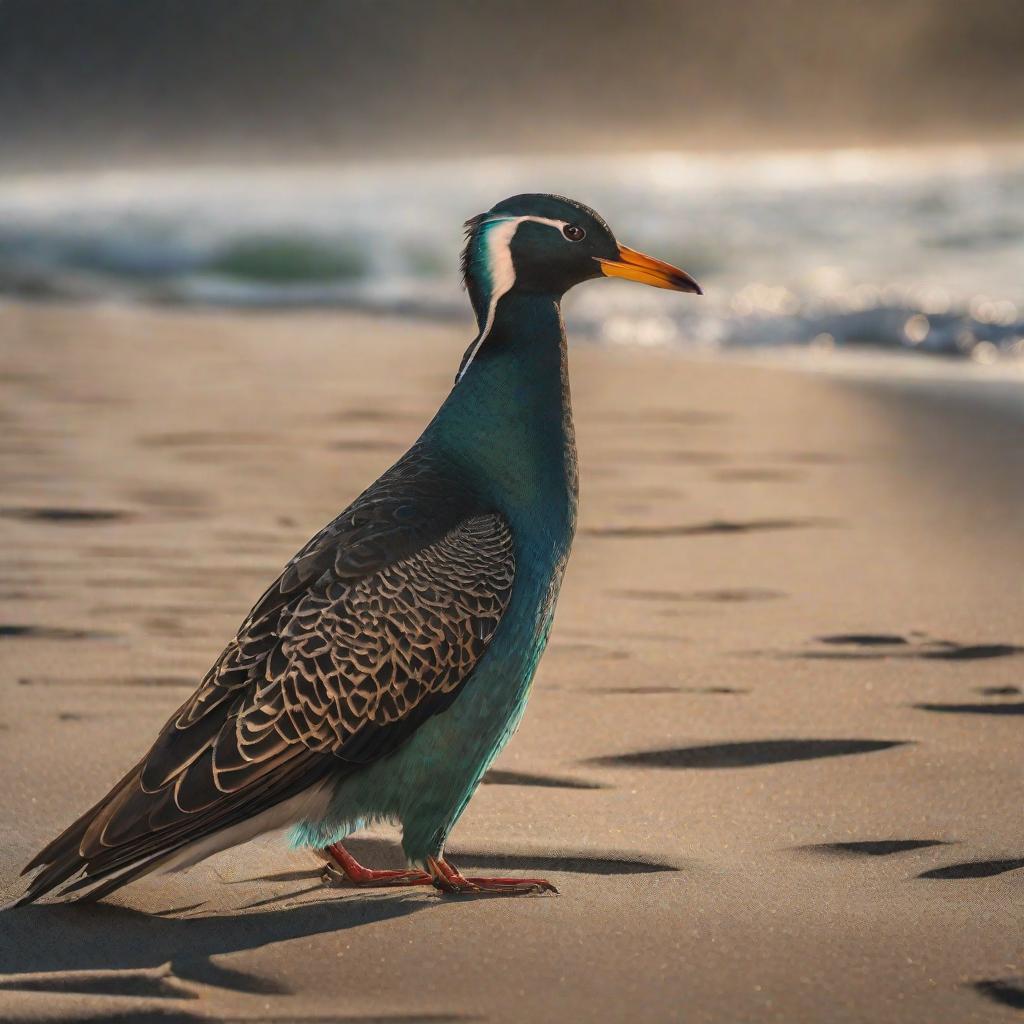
x: 574, y: 232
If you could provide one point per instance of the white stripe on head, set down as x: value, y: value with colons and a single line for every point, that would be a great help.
x: 502, y: 274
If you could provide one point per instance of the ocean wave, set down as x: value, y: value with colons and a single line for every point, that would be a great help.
x: 904, y: 251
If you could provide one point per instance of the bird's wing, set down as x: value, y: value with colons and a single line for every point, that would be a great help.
x: 332, y: 666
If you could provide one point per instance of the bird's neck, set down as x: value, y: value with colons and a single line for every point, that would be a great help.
x: 508, y: 420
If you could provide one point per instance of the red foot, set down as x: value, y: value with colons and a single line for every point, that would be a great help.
x: 448, y: 878
x: 341, y: 865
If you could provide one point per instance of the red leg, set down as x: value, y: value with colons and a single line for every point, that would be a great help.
x: 448, y: 878
x: 342, y: 866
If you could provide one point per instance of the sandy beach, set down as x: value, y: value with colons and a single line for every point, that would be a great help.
x: 773, y: 756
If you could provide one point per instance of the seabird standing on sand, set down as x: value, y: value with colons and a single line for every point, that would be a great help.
x: 383, y: 671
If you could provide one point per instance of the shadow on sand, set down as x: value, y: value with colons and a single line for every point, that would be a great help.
x: 1007, y: 991
x: 53, y: 945
x: 101, y: 949
x: 871, y: 847
x: 877, y: 646
x: 744, y: 755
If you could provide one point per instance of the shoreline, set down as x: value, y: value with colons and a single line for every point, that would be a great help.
x: 857, y: 360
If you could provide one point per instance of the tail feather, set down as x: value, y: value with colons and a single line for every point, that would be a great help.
x: 64, y: 857
x: 102, y: 884
x: 79, y: 850
x: 71, y: 838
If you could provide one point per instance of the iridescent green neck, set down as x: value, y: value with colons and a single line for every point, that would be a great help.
x: 508, y: 421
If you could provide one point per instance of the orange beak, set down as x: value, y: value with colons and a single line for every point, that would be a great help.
x: 636, y: 266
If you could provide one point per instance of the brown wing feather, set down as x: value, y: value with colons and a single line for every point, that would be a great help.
x: 332, y: 671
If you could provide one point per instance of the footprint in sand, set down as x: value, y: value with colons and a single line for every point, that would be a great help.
x: 596, y: 862
x: 868, y: 646
x: 1015, y: 707
x: 574, y: 864
x: 28, y: 632
x: 975, y: 869
x: 658, y: 691
x: 65, y: 515
x: 872, y: 847
x: 497, y: 777
x: 715, y: 526
x: 765, y: 476
x: 1008, y: 991
x: 744, y: 755
x: 733, y: 595
x: 134, y: 681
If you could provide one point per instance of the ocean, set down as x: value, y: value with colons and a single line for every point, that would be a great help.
x: 894, y: 250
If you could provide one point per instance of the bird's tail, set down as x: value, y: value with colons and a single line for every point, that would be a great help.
x: 64, y: 857
x: 117, y: 840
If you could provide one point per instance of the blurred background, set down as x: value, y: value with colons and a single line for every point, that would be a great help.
x: 837, y: 175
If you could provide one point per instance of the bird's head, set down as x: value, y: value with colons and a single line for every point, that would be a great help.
x: 546, y: 244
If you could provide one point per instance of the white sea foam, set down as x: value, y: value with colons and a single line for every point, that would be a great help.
x: 916, y: 250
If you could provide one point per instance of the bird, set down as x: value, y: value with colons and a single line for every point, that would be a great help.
x: 381, y: 673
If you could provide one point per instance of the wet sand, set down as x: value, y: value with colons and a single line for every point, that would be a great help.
x: 773, y: 757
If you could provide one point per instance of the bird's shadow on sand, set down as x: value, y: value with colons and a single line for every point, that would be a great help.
x: 103, y: 949
x: 51, y: 944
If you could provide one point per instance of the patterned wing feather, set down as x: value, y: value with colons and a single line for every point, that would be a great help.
x: 329, y: 671
x: 359, y: 657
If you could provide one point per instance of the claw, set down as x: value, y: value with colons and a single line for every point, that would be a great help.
x: 343, y: 869
x: 449, y: 879
x: 515, y: 885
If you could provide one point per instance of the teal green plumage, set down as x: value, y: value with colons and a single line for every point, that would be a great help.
x: 508, y: 427
x: 382, y: 672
